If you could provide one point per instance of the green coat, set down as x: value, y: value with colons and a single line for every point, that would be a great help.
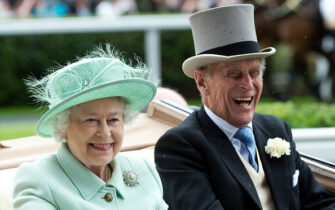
x: 60, y: 181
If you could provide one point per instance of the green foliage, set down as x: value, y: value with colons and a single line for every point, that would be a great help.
x: 21, y: 111
x: 298, y: 113
x: 301, y: 115
x: 21, y: 56
x: 177, y: 46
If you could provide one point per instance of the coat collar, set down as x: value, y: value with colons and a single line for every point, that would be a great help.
x: 228, y: 154
x: 80, y: 175
x: 275, y: 169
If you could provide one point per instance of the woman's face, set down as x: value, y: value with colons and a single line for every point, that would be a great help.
x: 95, y: 131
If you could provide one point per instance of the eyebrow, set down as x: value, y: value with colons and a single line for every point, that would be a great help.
x: 237, y: 67
x: 232, y: 67
x: 97, y: 114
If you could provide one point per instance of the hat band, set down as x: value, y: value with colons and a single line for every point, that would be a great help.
x: 237, y: 48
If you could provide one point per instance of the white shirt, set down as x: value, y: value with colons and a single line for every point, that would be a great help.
x: 230, y: 131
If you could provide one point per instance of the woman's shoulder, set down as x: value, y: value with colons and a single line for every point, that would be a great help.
x: 33, y: 179
x: 137, y: 158
x: 141, y: 162
x: 32, y: 173
x: 43, y: 164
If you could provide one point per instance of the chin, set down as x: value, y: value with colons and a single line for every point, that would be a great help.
x: 245, y: 121
x: 103, y: 161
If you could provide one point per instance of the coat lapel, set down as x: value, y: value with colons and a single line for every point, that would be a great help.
x: 227, y: 154
x: 276, y: 170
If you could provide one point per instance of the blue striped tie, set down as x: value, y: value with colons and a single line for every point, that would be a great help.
x: 246, y: 136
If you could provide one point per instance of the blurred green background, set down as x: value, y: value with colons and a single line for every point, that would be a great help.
x: 301, y: 112
x: 32, y: 55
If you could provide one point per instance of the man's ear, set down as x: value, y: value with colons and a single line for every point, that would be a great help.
x: 201, y: 81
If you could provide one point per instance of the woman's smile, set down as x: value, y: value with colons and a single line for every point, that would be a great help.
x: 101, y: 147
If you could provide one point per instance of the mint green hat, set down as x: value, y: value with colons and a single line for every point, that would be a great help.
x: 90, y: 79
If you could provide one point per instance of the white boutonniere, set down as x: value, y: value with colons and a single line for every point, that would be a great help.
x: 277, y: 147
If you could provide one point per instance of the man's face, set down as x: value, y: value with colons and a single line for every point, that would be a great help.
x: 232, y: 89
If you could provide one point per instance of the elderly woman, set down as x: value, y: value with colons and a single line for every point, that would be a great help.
x: 89, y: 102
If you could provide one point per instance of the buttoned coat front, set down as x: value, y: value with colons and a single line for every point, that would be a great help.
x: 60, y: 181
x: 200, y: 169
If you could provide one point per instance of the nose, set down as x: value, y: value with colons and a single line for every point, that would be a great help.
x: 246, y: 82
x: 105, y: 129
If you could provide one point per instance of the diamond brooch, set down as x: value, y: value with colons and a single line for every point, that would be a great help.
x: 130, y: 178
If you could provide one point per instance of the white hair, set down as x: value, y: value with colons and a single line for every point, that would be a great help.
x: 60, y: 123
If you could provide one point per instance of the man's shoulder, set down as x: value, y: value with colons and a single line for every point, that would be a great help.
x: 266, y: 118
x: 268, y: 122
x: 193, y: 121
x: 190, y: 130
x: 190, y: 123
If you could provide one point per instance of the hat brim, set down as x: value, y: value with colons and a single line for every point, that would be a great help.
x: 139, y: 94
x: 195, y: 62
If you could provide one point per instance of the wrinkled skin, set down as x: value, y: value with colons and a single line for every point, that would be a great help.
x: 231, y: 90
x: 95, y: 133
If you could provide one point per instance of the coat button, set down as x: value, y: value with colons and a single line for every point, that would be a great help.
x: 108, y: 197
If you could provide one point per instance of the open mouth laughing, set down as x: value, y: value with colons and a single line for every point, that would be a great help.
x: 245, y: 101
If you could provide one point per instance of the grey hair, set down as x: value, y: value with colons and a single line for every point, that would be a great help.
x: 128, y: 115
x: 60, y: 123
x: 61, y: 120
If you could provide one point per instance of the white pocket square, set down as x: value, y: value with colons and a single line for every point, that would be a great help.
x: 295, y: 178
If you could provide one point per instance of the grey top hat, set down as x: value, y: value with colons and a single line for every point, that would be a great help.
x: 224, y: 34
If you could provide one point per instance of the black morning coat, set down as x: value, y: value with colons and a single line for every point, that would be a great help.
x: 200, y: 169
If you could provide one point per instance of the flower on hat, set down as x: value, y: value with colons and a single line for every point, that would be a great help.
x: 277, y: 147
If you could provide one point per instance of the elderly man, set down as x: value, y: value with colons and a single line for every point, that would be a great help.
x: 225, y: 156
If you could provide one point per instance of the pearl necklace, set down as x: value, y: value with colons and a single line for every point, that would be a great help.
x: 108, y: 173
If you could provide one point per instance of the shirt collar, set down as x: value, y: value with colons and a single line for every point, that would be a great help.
x: 87, y: 182
x: 224, y: 126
